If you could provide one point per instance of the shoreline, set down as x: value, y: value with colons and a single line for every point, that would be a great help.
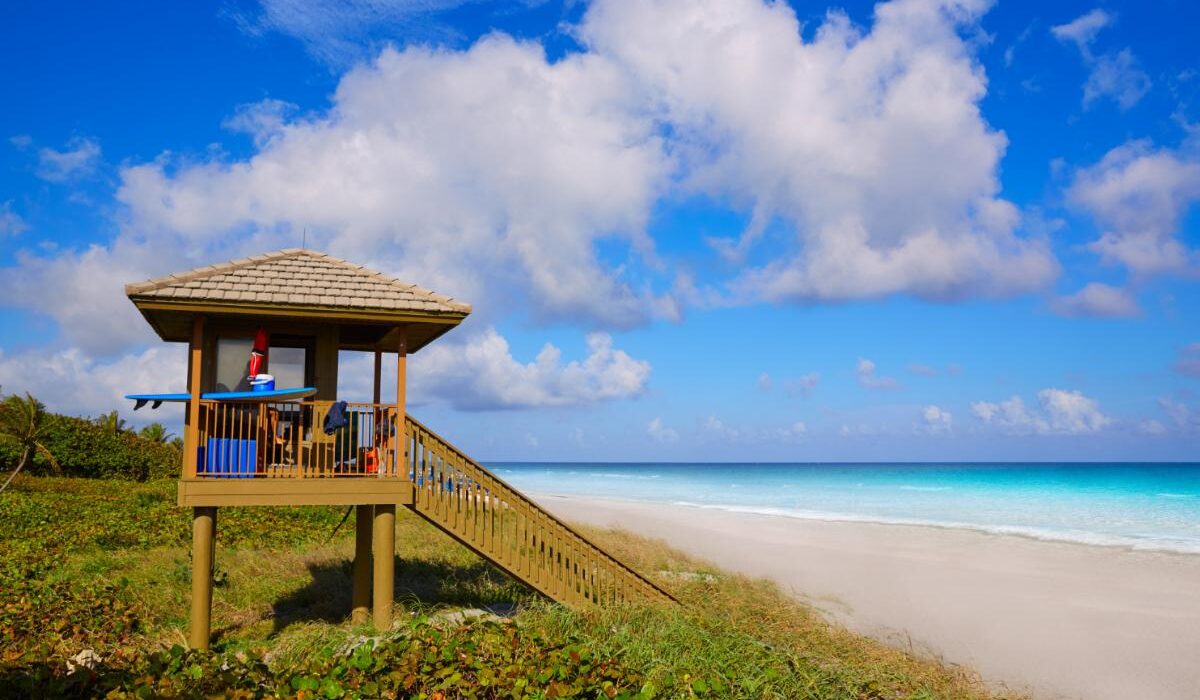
x: 1059, y: 619
x: 993, y: 531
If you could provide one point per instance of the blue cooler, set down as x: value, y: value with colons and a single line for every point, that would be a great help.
x: 262, y: 382
x: 230, y: 458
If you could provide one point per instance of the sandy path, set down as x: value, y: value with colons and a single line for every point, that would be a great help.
x: 1055, y: 619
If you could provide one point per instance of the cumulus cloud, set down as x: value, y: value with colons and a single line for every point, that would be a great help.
x: 496, y: 175
x: 1152, y: 427
x: 847, y: 138
x: 84, y: 292
x: 660, y: 432
x: 922, y: 370
x: 487, y: 169
x: 1114, y: 75
x: 1060, y: 412
x: 11, y: 223
x: 1098, y: 300
x: 1139, y: 195
x: 865, y: 371
x: 1188, y: 363
x: 936, y: 420
x: 481, y: 374
x: 78, y: 158
x: 70, y: 381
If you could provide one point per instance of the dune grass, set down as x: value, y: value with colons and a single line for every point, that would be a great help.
x: 103, y: 566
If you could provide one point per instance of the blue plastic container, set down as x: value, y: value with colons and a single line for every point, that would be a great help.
x: 263, y: 382
x: 230, y: 458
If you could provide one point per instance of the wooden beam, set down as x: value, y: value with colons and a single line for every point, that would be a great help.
x: 204, y: 542
x: 191, y: 429
x: 343, y: 491
x: 450, y: 318
x: 385, y: 565
x: 361, y: 596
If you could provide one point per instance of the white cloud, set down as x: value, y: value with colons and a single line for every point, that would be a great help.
x: 764, y: 382
x: 487, y: 173
x: 1117, y: 76
x: 343, y: 31
x: 1180, y: 413
x: 1114, y: 75
x: 847, y: 138
x: 262, y: 120
x: 84, y: 292
x: 72, y: 382
x: 1139, y: 195
x: 481, y: 374
x: 802, y: 385
x: 1189, y: 361
x: 937, y: 420
x: 660, y: 432
x: 865, y: 371
x: 11, y: 223
x: 1099, y: 300
x: 1082, y: 30
x: 1060, y: 412
x: 79, y: 158
x: 1151, y: 427
x: 922, y: 370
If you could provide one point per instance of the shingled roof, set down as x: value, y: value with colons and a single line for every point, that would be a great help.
x: 296, y: 278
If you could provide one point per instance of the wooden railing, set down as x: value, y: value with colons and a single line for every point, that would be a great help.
x: 288, y: 440
x: 478, y: 509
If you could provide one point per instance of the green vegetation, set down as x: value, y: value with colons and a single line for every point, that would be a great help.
x: 103, y: 566
x: 47, y: 443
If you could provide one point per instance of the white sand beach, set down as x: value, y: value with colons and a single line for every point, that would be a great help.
x: 1055, y: 619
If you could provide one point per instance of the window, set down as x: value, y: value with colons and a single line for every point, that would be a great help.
x: 233, y: 363
x: 287, y: 365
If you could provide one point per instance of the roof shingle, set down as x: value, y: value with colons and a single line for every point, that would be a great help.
x: 297, y: 277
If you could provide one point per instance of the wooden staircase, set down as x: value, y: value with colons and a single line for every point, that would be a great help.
x: 496, y: 521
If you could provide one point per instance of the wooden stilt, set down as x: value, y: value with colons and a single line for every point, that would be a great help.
x: 361, y: 598
x: 204, y: 540
x: 385, y: 565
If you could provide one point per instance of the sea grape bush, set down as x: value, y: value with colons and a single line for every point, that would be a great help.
x: 479, y: 659
x: 84, y: 448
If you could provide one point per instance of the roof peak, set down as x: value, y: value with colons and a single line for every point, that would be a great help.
x: 330, y: 282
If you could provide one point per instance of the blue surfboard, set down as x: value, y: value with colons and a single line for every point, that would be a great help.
x: 156, y: 400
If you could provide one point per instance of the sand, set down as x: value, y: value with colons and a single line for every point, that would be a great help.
x: 1054, y: 619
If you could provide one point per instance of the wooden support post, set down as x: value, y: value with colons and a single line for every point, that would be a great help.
x: 361, y: 598
x: 191, y: 419
x: 385, y: 565
x: 401, y: 384
x: 378, y: 372
x: 204, y: 544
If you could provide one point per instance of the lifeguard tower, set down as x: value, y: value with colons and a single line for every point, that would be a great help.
x: 283, y: 449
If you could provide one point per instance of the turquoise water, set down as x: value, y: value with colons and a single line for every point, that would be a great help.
x: 1143, y: 506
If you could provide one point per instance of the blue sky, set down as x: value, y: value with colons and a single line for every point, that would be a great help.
x: 915, y: 231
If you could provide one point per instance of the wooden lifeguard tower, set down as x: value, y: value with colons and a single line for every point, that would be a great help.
x: 248, y: 452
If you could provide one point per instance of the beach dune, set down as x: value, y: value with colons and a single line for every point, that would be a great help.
x: 1054, y: 619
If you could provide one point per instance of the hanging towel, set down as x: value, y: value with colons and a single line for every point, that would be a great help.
x: 337, y: 418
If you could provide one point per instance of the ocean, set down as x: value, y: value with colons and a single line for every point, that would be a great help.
x: 1141, y: 506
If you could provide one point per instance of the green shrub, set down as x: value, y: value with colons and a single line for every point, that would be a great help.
x: 475, y: 660
x: 86, y: 449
